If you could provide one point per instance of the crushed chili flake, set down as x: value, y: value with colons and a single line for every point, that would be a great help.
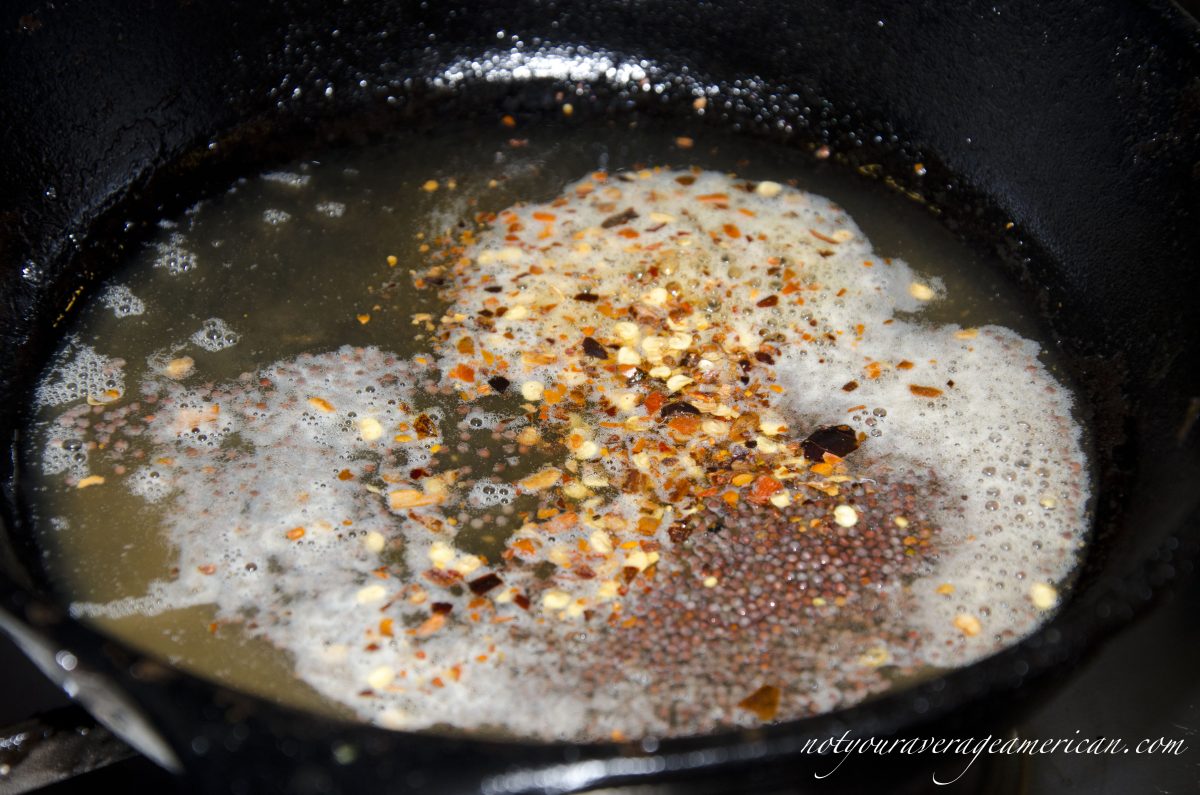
x: 678, y: 407
x: 594, y: 349
x: 764, y: 702
x: 836, y: 440
x: 425, y: 427
x: 618, y: 219
x: 481, y: 585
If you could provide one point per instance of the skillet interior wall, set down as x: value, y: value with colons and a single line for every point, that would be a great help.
x: 1078, y: 122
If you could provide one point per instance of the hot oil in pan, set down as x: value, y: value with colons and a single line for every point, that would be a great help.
x: 590, y: 433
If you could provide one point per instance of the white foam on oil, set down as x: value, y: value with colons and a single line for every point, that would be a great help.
x: 215, y: 335
x: 79, y: 372
x: 489, y: 493
x: 276, y: 217
x: 331, y: 209
x: 121, y: 300
x: 174, y: 256
x: 288, y: 178
x: 1001, y: 441
x: 294, y: 499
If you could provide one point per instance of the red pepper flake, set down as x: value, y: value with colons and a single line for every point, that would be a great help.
x: 345, y: 474
x: 732, y: 230
x: 678, y: 407
x: 589, y: 298
x: 430, y: 625
x: 524, y: 545
x: 654, y: 401
x: 836, y: 440
x: 546, y: 217
x: 770, y: 300
x: 443, y: 577
x: 386, y: 628
x: 744, y: 427
x: 820, y: 236
x: 521, y: 601
x: 711, y: 197
x: 686, y: 179
x: 481, y: 585
x: 295, y: 534
x: 764, y: 702
x: 924, y: 391
x: 594, y: 349
x: 849, y: 386
x: 763, y: 488
x: 679, y: 532
x: 508, y: 121
x: 463, y: 373
x: 620, y: 218
x: 441, y: 608
x: 905, y: 365
x: 424, y: 427
x: 684, y: 426
x: 466, y: 346
x: 207, y: 569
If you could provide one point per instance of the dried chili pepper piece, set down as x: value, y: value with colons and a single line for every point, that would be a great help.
x: 764, y: 702
x: 618, y: 219
x: 425, y: 427
x: 481, y: 585
x: 838, y: 440
x: 594, y: 349
x: 677, y: 407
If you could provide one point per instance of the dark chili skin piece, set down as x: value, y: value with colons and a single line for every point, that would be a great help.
x: 618, y: 219
x: 838, y: 440
x: 678, y: 407
x: 594, y: 349
x: 481, y: 585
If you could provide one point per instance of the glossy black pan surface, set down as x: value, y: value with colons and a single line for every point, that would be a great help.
x: 1064, y: 135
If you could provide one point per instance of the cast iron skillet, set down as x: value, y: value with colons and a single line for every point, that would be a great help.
x: 1061, y: 134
